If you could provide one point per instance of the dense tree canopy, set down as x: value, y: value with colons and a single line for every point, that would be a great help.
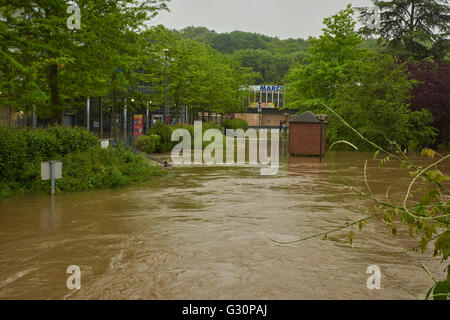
x: 417, y: 28
x: 47, y: 65
x: 432, y: 92
x: 369, y: 90
x: 269, y: 56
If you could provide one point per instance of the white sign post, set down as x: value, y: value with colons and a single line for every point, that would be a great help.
x: 51, y: 170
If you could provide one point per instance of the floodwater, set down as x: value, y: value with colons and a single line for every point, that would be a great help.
x: 202, y: 233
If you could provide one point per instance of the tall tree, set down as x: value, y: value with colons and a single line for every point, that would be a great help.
x: 369, y: 91
x: 432, y: 92
x: 417, y: 28
x: 61, y: 63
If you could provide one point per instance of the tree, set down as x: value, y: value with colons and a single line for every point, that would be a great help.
x: 335, y: 53
x: 432, y: 92
x: 369, y: 90
x: 417, y: 28
x: 375, y: 100
x: 269, y: 56
x: 197, y: 75
x: 60, y: 64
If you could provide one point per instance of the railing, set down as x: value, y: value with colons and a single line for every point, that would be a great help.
x: 132, y: 149
x: 114, y: 143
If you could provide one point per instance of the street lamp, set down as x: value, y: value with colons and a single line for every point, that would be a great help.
x: 322, y: 118
x: 166, y: 113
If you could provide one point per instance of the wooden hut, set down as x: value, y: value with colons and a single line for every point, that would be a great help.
x: 305, y: 134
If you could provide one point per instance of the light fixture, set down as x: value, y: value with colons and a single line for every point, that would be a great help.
x: 321, y: 117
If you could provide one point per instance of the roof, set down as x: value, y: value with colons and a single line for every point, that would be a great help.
x: 306, y: 117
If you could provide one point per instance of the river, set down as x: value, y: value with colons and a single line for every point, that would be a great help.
x: 202, y: 233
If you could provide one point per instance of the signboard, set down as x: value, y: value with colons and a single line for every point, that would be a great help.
x: 264, y: 105
x: 45, y: 170
x: 104, y: 143
x: 266, y: 88
x: 138, y: 125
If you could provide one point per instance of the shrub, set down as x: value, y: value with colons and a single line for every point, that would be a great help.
x: 210, y: 125
x: 104, y: 168
x: 165, y: 132
x: 85, y: 164
x: 20, y: 147
x: 235, y: 124
x: 148, y: 144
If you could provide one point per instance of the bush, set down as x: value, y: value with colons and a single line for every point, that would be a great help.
x: 85, y: 165
x: 148, y: 144
x: 104, y: 168
x: 235, y: 124
x: 20, y: 148
x: 210, y: 125
x: 165, y: 132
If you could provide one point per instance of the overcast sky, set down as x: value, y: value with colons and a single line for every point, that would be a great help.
x: 281, y: 18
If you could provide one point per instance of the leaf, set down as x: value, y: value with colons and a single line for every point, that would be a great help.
x: 442, y: 290
x: 351, y: 235
x: 361, y: 225
x: 394, y: 231
x: 428, y: 153
x: 427, y: 296
x: 376, y: 154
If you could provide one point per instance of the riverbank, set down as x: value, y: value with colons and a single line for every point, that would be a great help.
x: 86, y: 166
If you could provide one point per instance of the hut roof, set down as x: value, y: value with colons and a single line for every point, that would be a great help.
x: 306, y: 117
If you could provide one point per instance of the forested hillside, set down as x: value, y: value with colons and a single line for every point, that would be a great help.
x: 269, y: 56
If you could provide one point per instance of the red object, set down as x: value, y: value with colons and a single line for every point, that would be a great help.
x: 138, y: 125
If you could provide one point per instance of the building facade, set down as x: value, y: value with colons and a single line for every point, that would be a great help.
x: 265, y: 106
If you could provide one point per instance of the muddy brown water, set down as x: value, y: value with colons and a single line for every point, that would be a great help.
x: 201, y: 233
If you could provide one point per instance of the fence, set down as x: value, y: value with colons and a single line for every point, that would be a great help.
x: 97, y: 119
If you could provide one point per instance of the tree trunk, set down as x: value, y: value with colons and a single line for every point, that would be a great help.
x: 53, y: 82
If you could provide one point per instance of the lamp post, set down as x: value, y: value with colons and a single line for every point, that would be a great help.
x: 147, y: 116
x: 322, y: 118
x: 166, y: 111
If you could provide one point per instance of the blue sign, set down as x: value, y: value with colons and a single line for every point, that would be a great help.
x: 271, y: 88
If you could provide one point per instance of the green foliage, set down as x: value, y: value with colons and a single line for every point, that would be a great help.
x: 44, y: 64
x: 148, y: 143
x: 235, y: 124
x: 210, y: 125
x: 164, y: 132
x: 20, y: 148
x: 369, y: 90
x: 85, y: 164
x: 413, y: 28
x: 104, y: 168
x: 268, y: 56
x: 197, y: 75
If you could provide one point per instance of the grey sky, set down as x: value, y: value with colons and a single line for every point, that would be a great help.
x: 282, y: 18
